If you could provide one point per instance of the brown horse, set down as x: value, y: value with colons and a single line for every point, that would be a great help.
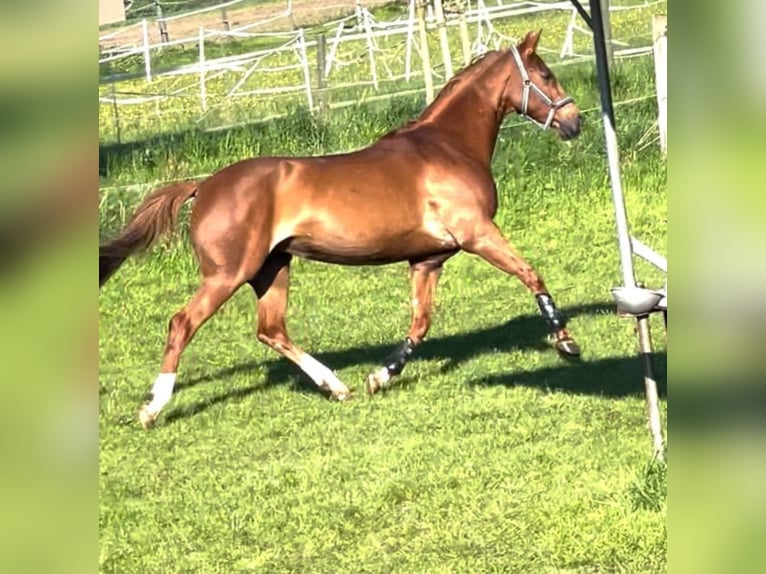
x: 419, y: 194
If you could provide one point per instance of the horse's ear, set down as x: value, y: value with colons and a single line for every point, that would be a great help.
x: 529, y: 43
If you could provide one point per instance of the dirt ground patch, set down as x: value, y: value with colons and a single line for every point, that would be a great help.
x: 304, y: 13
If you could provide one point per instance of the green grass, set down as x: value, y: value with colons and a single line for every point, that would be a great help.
x: 491, y: 454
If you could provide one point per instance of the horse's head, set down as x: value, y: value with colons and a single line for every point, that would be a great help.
x: 535, y: 94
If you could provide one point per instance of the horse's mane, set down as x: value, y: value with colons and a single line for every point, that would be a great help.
x: 477, y: 66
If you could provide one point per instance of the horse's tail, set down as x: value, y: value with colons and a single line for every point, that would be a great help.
x: 156, y: 215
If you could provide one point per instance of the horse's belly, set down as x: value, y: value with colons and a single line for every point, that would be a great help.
x: 362, y: 250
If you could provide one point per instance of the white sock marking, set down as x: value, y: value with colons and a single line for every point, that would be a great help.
x: 320, y: 374
x: 162, y: 390
x: 382, y: 376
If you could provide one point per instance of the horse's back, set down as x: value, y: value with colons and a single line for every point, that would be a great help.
x: 375, y: 205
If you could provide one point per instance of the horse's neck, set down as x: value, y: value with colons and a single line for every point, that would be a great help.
x: 471, y: 115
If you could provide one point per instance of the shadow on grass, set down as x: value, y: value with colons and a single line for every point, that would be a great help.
x: 612, y: 377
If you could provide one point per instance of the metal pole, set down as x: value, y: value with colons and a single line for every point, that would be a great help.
x: 623, y: 234
x: 441, y: 26
x: 202, y: 84
x: 370, y: 46
x: 225, y: 19
x: 305, y: 64
x: 410, y: 39
x: 607, y: 32
x: 465, y: 42
x: 612, y: 152
x: 321, y: 57
x: 333, y: 49
x: 161, y: 23
x: 659, y: 34
x: 116, y: 112
x: 650, y: 386
x: 424, y: 53
x: 147, y: 54
x: 583, y: 14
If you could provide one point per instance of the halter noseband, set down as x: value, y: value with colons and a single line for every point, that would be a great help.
x: 553, y: 107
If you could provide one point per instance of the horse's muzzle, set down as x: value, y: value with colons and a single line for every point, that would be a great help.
x: 568, y: 128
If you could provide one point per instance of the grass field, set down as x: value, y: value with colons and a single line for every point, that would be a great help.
x: 491, y: 454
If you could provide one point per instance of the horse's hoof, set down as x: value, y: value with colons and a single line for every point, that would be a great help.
x: 377, y: 381
x: 568, y: 347
x: 146, y: 417
x: 341, y: 396
x: 373, y: 385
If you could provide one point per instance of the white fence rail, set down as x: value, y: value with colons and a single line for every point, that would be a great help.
x: 291, y: 51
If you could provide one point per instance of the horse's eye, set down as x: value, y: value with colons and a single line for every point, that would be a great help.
x: 546, y: 75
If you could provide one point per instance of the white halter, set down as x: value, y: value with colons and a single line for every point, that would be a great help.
x: 553, y: 107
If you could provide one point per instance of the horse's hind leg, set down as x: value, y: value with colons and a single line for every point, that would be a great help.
x: 213, y: 292
x: 424, y: 276
x: 488, y: 242
x: 271, y: 286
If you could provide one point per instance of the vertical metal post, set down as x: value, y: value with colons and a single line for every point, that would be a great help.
x: 225, y: 19
x: 147, y: 55
x: 607, y: 23
x: 465, y: 42
x: 410, y: 37
x: 659, y: 35
x: 202, y: 83
x: 333, y: 49
x: 481, y: 22
x: 424, y: 53
x: 623, y: 233
x: 650, y: 387
x: 304, y: 57
x: 612, y: 152
x: 161, y: 23
x: 321, y: 93
x: 441, y: 26
x: 116, y: 112
x: 370, y: 46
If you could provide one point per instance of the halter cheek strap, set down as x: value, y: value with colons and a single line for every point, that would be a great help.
x: 528, y: 86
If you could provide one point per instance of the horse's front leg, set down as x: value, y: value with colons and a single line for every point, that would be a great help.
x: 487, y: 242
x: 424, y: 276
